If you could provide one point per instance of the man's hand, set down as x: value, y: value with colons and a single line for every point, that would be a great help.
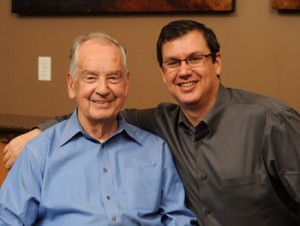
x: 16, y: 145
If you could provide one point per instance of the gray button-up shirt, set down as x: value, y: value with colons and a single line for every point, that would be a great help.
x: 246, y: 168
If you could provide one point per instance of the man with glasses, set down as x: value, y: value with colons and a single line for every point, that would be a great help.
x: 238, y: 153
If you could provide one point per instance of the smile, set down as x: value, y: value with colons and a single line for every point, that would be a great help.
x: 100, y: 102
x: 187, y: 84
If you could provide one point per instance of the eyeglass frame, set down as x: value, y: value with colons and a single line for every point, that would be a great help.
x: 187, y: 60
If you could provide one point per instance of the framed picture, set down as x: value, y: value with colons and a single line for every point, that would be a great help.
x: 286, y: 4
x: 63, y: 7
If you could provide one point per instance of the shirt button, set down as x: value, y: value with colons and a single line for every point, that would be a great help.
x: 114, y: 218
x: 105, y: 170
x: 207, y: 211
x: 108, y: 197
x: 204, y: 177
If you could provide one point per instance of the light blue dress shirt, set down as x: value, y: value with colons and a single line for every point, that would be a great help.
x: 65, y: 177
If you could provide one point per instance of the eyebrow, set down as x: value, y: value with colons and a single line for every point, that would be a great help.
x: 112, y: 72
x: 86, y: 71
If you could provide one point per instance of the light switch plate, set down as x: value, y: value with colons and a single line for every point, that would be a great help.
x: 44, y: 68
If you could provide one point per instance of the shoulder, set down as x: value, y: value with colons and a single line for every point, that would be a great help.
x: 143, y: 136
x: 49, y: 135
x: 153, y: 146
x: 150, y: 119
x: 147, y: 112
x: 248, y: 99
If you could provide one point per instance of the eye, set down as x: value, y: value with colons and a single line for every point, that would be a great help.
x: 114, y: 78
x: 172, y: 63
x: 89, y: 78
x: 195, y: 59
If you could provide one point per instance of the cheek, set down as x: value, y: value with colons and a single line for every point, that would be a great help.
x: 210, y: 73
x: 163, y: 76
x: 168, y: 79
x: 84, y: 92
x: 121, y: 94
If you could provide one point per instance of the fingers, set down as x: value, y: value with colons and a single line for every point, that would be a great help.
x: 9, y: 163
x: 9, y: 156
x: 6, y: 148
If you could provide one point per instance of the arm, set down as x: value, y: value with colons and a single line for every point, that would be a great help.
x: 16, y: 145
x: 45, y: 125
x: 142, y: 118
x: 19, y: 194
x: 282, y: 152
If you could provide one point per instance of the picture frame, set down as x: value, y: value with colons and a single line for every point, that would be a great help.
x: 104, y: 7
x: 286, y: 5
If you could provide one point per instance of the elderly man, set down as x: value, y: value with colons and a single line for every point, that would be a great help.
x: 95, y: 169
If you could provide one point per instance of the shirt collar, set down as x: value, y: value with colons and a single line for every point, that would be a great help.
x: 214, y: 116
x: 73, y: 128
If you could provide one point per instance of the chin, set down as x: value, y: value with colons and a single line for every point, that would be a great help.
x: 189, y: 103
x: 187, y: 100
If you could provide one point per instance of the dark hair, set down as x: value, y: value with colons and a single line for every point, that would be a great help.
x: 179, y: 28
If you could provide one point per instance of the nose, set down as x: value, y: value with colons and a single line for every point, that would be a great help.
x: 184, y: 69
x: 102, y: 88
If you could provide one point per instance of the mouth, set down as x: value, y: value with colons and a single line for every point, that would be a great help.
x: 186, y: 84
x: 100, y: 103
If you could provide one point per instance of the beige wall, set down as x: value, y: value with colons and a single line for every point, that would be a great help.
x: 260, y: 50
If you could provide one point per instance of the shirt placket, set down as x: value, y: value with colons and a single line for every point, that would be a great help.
x: 108, y: 189
x: 200, y: 134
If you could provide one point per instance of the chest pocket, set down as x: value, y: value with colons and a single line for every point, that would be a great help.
x: 244, y: 196
x: 143, y: 189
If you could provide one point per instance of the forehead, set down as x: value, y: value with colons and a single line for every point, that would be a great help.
x: 191, y: 42
x: 98, y: 47
x: 99, y: 53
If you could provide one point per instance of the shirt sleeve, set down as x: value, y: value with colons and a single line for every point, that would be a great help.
x: 282, y: 152
x: 47, y: 124
x: 144, y: 118
x: 20, y: 193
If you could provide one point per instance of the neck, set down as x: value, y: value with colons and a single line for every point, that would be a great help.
x: 196, y: 112
x: 100, y: 130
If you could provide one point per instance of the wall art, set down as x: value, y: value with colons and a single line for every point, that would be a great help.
x: 46, y: 7
x: 286, y: 4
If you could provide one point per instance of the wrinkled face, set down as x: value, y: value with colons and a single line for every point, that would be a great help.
x: 100, y: 86
x: 191, y: 86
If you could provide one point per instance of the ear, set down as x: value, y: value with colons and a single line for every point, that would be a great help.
x: 71, y: 86
x: 218, y: 64
x: 127, y: 78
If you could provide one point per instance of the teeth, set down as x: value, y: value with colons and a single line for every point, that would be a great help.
x: 188, y: 84
x: 99, y: 102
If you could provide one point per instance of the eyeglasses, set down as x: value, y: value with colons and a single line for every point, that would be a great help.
x: 193, y: 61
